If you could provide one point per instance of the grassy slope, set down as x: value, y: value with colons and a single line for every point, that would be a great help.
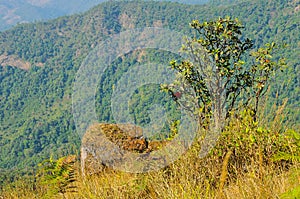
x: 188, y: 177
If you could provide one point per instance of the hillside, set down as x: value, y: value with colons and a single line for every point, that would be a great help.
x: 36, y: 106
x: 24, y: 11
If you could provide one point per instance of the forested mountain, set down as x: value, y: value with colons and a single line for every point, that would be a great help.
x: 24, y: 11
x: 39, y: 62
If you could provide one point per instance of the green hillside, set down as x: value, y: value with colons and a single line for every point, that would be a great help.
x: 36, y: 83
x: 26, y: 11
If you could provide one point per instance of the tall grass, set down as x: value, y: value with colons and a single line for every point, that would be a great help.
x: 243, y: 164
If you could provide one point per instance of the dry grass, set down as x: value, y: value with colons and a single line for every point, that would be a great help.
x: 240, y: 166
x: 189, y: 177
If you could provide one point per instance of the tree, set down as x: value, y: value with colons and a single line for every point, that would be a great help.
x: 215, y: 77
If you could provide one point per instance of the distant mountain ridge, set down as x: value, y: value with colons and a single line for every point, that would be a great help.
x: 24, y: 11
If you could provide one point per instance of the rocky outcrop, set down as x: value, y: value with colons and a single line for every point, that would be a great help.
x: 105, y: 145
x: 14, y: 61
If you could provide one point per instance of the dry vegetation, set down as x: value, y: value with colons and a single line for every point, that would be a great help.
x: 247, y: 162
x: 189, y: 177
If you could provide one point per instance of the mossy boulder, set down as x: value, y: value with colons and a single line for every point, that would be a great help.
x: 105, y: 145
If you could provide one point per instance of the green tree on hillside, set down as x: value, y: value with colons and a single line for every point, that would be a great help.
x: 220, y: 75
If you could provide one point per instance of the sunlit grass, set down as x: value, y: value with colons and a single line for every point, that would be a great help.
x: 189, y: 177
x: 241, y: 165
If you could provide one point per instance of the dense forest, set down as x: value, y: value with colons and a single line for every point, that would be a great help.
x: 39, y: 62
x: 26, y: 11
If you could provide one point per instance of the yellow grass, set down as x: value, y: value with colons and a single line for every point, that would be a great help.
x: 240, y: 166
x: 189, y: 177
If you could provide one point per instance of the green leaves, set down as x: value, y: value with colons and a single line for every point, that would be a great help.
x: 264, y: 67
x: 254, y: 146
x: 58, y: 175
x: 217, y: 66
x: 290, y: 150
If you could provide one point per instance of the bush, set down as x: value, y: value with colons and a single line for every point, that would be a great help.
x: 254, y: 148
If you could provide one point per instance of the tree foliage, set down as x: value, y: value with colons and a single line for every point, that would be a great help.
x: 216, y: 74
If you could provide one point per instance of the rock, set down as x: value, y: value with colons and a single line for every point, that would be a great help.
x: 15, y: 61
x: 105, y: 145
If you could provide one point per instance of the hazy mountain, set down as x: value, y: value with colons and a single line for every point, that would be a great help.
x: 22, y: 11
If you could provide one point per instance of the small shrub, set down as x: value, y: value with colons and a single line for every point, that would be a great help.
x: 254, y: 148
x: 57, y: 175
